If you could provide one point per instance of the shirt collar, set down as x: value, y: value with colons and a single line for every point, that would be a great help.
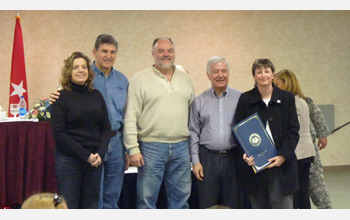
x: 98, y: 71
x: 223, y: 94
x: 275, y: 97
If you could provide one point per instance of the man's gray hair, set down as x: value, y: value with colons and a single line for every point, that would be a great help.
x: 215, y: 60
x: 155, y: 41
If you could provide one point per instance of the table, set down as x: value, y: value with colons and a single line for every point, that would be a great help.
x: 26, y: 160
x: 27, y: 166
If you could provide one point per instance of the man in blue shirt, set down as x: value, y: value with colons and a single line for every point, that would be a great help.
x: 113, y: 85
x: 213, y: 150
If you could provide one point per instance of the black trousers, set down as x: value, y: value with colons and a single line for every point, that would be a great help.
x: 219, y: 185
x: 301, y: 198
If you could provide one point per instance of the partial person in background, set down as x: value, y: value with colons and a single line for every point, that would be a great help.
x: 274, y: 186
x: 156, y: 128
x: 213, y: 150
x: 45, y: 201
x: 319, y: 129
x: 81, y: 129
x: 305, y: 152
x: 113, y: 85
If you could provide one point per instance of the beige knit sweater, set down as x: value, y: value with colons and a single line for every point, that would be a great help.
x: 157, y: 109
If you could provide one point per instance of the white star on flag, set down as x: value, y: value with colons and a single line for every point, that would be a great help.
x: 18, y: 89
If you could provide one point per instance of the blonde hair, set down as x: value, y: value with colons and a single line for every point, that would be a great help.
x: 45, y: 201
x: 219, y: 207
x: 291, y: 82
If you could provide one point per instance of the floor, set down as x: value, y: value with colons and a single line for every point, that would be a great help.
x: 338, y: 183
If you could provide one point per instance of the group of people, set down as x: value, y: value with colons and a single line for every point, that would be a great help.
x: 102, y: 124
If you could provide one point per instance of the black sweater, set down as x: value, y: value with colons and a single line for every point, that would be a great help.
x: 80, y: 123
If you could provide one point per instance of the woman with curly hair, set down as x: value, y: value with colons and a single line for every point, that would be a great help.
x: 82, y: 130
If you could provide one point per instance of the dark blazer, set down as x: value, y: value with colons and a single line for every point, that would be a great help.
x: 283, y: 120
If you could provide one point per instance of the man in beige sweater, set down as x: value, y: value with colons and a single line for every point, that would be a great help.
x: 156, y: 128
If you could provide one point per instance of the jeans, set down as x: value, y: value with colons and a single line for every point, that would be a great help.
x: 169, y: 162
x: 78, y: 182
x: 112, y: 174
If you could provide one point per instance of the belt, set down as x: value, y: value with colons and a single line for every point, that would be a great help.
x: 115, y: 132
x: 220, y: 152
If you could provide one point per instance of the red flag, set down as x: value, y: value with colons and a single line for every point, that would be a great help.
x: 18, y: 84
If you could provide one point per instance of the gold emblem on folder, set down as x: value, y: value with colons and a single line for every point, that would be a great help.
x: 255, y: 140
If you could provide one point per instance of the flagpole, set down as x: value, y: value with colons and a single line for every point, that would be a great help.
x: 18, y: 79
x: 18, y: 16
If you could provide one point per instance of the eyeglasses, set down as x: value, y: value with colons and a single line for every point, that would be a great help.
x: 57, y: 200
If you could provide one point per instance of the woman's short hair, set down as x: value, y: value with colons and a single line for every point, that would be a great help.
x: 266, y: 63
x: 45, y: 201
x: 66, y: 75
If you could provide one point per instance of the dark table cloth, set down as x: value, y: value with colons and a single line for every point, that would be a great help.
x: 27, y: 166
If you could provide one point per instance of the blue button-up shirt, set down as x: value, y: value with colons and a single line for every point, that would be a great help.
x: 114, y: 90
x: 211, y: 121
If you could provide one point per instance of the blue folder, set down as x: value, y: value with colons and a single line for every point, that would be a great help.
x: 255, y: 141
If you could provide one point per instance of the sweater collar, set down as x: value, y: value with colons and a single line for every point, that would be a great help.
x: 78, y: 87
x: 159, y: 74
